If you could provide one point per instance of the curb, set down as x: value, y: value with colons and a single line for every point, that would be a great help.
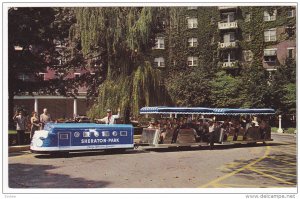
x: 18, y: 148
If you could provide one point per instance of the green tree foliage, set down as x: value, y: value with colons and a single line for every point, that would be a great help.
x: 118, y: 39
x: 289, y: 98
x: 226, y: 91
x: 283, y: 88
x: 255, y: 89
x: 128, y: 92
x: 190, y: 88
x: 29, y: 49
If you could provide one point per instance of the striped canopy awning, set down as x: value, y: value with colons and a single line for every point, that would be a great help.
x: 204, y: 111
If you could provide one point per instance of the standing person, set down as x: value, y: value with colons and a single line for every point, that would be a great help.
x: 20, y: 119
x: 45, y: 117
x: 211, y: 131
x: 110, y: 118
x: 34, y: 124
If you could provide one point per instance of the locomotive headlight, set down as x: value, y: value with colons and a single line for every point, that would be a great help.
x: 114, y: 133
x: 41, y: 134
x: 39, y: 142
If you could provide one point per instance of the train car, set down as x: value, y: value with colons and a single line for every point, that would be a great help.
x: 188, y: 134
x: 66, y: 137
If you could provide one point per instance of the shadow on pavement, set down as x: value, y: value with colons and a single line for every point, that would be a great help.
x: 216, y: 147
x: 38, y: 176
x: 278, y: 168
x: 87, y: 153
x: 13, y: 154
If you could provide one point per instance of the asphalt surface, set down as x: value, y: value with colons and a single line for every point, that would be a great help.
x: 271, y: 165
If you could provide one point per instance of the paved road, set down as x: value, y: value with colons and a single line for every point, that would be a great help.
x: 258, y: 166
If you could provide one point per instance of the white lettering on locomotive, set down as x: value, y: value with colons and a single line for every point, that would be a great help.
x: 113, y: 140
x: 93, y: 141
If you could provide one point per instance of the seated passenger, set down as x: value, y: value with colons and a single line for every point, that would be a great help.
x: 163, y: 134
x: 176, y: 131
x: 265, y: 130
x: 253, y: 131
x: 152, y: 124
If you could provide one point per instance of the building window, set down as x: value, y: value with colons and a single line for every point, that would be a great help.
x: 291, y: 53
x: 270, y: 52
x: 192, y: 61
x: 229, y: 37
x: 23, y: 77
x: 229, y: 57
x: 270, y: 16
x: 248, y: 55
x: 59, y: 74
x: 290, y: 30
x: 192, y: 8
x: 159, y: 43
x: 212, y: 40
x: 270, y: 59
x: 290, y: 13
x: 227, y: 17
x: 247, y: 17
x: 192, y: 23
x: 193, y: 42
x: 270, y: 35
x: 248, y: 37
x: 270, y: 55
x: 212, y: 20
x: 159, y: 62
x: 42, y: 76
x: 76, y: 75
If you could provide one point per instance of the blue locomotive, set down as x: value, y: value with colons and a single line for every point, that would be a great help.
x: 82, y: 136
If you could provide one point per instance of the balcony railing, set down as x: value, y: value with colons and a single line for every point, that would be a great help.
x: 225, y: 45
x: 227, y: 25
x: 227, y: 7
x: 231, y: 64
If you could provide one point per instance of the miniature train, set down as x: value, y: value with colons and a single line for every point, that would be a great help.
x: 67, y: 137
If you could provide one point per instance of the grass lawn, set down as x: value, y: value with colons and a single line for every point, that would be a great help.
x: 12, y: 132
x: 285, y: 130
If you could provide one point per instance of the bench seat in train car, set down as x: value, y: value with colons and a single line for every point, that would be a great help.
x: 82, y: 136
x: 151, y: 136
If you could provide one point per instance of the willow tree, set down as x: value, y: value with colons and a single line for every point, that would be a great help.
x: 118, y: 39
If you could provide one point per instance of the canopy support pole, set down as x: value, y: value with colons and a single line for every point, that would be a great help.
x: 279, y: 128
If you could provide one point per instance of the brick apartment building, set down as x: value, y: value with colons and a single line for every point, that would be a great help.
x: 59, y: 107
